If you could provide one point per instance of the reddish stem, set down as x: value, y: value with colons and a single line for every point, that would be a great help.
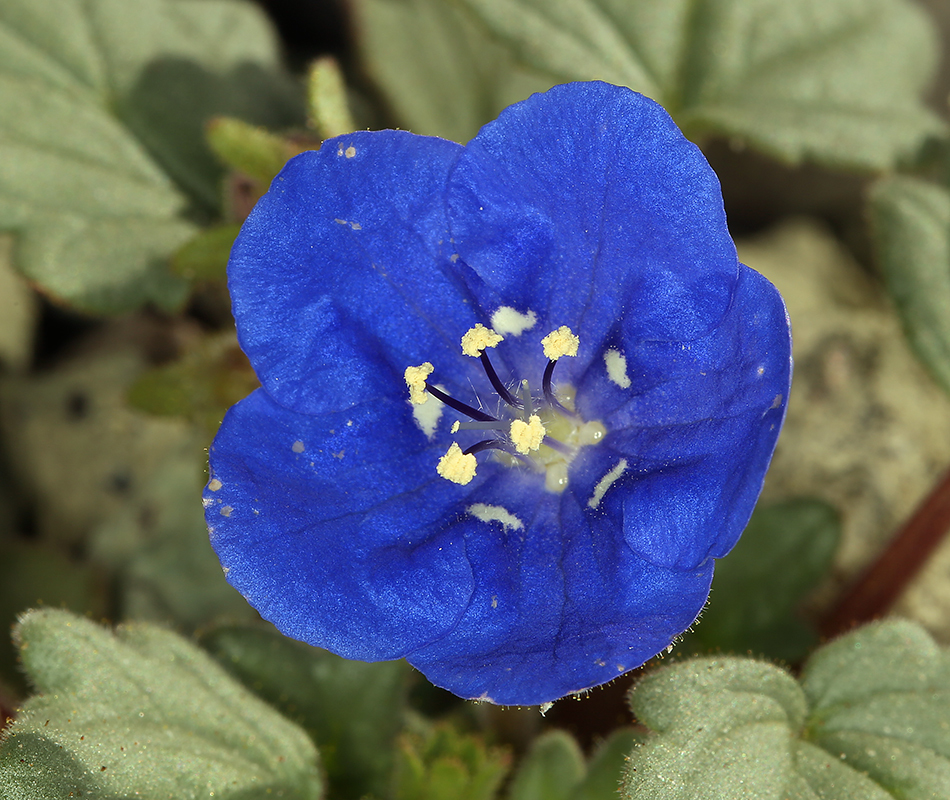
x: 887, y: 577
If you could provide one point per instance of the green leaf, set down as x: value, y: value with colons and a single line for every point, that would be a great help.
x: 837, y: 81
x: 205, y: 257
x: 254, y: 150
x: 725, y: 731
x: 442, y: 764
x: 552, y: 769
x: 96, y: 96
x: 910, y: 221
x: 438, y: 70
x: 352, y: 710
x: 34, y: 574
x: 880, y: 701
x: 202, y: 384
x: 783, y: 553
x: 328, y: 110
x: 606, y: 766
x: 141, y: 712
x: 867, y: 722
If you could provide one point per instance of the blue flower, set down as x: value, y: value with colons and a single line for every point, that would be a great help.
x: 516, y: 397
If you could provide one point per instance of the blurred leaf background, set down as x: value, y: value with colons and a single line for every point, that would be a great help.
x: 134, y: 139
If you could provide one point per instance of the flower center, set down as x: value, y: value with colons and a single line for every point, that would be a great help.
x: 542, y: 432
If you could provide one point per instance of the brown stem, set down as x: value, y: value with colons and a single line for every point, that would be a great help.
x: 887, y: 577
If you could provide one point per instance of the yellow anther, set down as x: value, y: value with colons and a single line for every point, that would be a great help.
x: 527, y: 436
x: 416, y: 381
x: 561, y: 342
x: 477, y: 339
x: 456, y: 466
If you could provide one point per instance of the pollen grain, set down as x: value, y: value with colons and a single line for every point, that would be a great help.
x: 561, y: 342
x: 457, y: 466
x: 416, y: 381
x: 477, y: 339
x: 527, y: 436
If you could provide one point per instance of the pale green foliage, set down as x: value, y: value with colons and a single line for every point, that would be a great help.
x: 141, y: 712
x: 867, y: 721
x: 911, y: 224
x: 441, y: 73
x: 837, y: 81
x: 91, y: 97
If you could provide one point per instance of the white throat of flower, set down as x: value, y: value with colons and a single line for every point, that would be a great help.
x: 543, y: 433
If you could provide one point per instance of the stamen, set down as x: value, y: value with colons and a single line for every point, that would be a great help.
x: 416, y: 381
x: 459, y: 406
x: 546, y: 384
x: 486, y: 444
x: 496, y: 383
x: 561, y: 342
x: 474, y: 343
x: 518, y: 433
x: 477, y: 339
x: 457, y: 466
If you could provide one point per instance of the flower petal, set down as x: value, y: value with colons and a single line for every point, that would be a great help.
x: 332, y: 526
x: 585, y: 204
x: 697, y: 427
x: 558, y: 607
x: 338, y: 279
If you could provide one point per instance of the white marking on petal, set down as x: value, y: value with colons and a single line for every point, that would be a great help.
x: 297, y: 447
x: 350, y: 151
x: 509, y: 322
x: 214, y: 485
x: 617, y: 368
x: 487, y: 513
x: 427, y: 415
x: 225, y: 511
x: 606, y: 482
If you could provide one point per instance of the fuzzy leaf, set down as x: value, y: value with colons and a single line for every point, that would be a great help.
x: 350, y: 709
x: 867, y: 722
x: 101, y: 99
x: 911, y: 223
x: 141, y: 712
x: 439, y: 71
x: 836, y: 81
x: 552, y: 769
x: 783, y: 553
x: 442, y: 764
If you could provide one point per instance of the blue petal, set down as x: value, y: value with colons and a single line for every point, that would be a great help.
x: 338, y: 280
x: 586, y: 204
x: 331, y: 526
x: 559, y: 606
x: 697, y: 427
